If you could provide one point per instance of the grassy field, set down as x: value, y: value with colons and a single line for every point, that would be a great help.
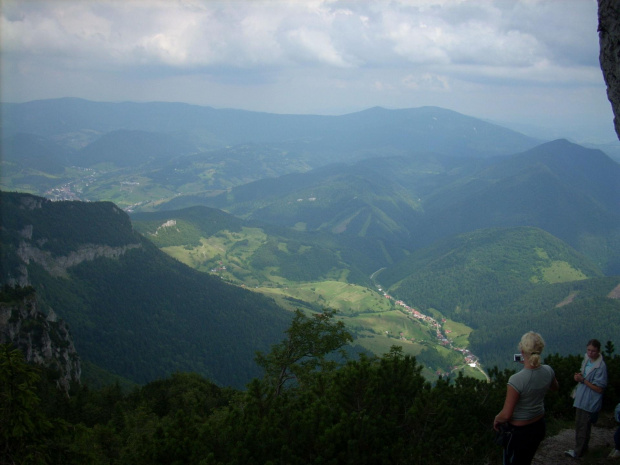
x: 458, y: 333
x: 561, y: 272
x: 348, y: 299
x: 227, y: 249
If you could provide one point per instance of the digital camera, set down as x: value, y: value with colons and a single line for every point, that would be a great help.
x: 518, y: 358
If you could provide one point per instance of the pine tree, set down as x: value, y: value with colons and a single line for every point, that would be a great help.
x: 23, y: 426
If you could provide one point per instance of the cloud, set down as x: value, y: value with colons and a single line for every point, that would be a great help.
x: 427, y: 82
x: 301, y: 55
x: 245, y: 34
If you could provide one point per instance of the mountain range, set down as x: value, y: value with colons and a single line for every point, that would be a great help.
x: 480, y: 227
x: 568, y: 190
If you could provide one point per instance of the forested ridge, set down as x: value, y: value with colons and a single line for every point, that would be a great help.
x: 305, y: 409
x: 140, y: 314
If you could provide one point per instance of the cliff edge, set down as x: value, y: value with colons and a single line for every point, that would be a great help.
x: 609, y: 57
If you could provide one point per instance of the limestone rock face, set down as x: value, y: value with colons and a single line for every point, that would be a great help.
x: 58, y: 265
x: 609, y: 57
x: 30, y: 250
x: 44, y: 340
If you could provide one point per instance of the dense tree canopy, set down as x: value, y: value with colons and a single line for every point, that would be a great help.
x: 373, y: 410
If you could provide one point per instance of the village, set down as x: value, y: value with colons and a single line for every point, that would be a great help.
x: 469, y: 358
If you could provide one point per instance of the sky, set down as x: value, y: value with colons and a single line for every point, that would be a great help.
x: 527, y: 64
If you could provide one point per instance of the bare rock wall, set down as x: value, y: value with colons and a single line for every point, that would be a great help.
x: 609, y: 57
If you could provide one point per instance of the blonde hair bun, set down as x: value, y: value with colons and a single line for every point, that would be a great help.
x: 532, y: 345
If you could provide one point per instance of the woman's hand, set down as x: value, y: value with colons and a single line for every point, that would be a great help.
x: 581, y: 379
x: 496, y: 424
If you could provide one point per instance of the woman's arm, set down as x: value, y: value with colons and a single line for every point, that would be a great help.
x: 593, y: 386
x: 512, y: 397
x: 602, y: 379
x: 554, y: 384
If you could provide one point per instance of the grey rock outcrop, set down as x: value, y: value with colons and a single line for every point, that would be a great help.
x: 58, y: 265
x: 44, y: 340
x: 609, y: 57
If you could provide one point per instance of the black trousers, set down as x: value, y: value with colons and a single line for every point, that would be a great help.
x: 524, y: 441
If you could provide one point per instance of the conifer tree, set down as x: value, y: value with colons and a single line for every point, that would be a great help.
x: 23, y: 426
x: 609, y: 349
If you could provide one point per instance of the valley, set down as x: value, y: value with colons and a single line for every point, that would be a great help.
x: 375, y: 318
x: 423, y: 228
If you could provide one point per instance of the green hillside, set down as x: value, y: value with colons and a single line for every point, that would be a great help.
x: 254, y: 254
x: 339, y: 199
x: 483, y: 279
x: 132, y: 309
x: 406, y: 177
x: 476, y: 272
x: 567, y: 190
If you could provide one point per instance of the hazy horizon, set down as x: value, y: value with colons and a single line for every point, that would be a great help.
x: 528, y: 65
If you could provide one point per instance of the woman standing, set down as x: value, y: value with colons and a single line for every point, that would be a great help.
x: 592, y: 381
x: 524, y: 410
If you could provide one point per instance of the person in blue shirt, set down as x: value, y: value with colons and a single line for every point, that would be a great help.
x: 592, y: 379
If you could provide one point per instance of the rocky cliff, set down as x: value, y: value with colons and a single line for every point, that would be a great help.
x: 609, y: 57
x: 44, y: 339
x: 54, y: 237
x: 57, y: 243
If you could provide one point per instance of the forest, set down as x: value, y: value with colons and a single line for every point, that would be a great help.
x: 308, y: 407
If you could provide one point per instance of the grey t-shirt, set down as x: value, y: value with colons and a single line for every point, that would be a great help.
x: 532, y: 385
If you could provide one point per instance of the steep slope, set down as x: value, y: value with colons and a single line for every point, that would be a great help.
x: 609, y: 40
x: 132, y: 310
x: 570, y: 191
